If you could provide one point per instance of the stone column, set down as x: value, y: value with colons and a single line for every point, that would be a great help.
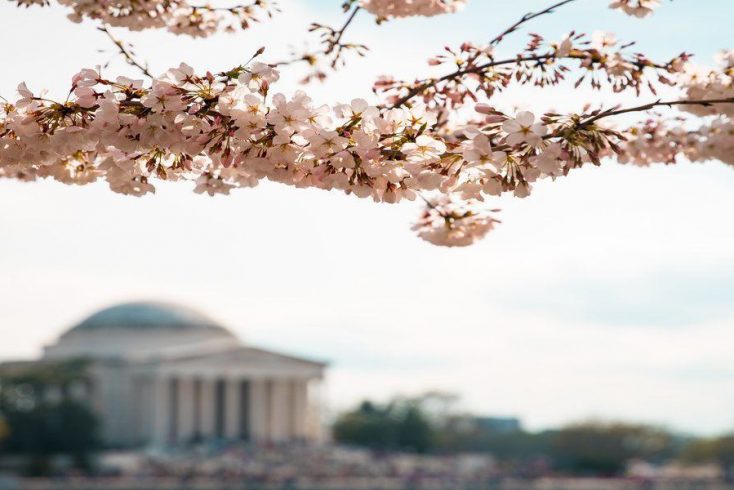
x: 145, y: 409
x: 173, y: 410
x: 244, y: 411
x: 185, y: 409
x: 259, y: 410
x: 279, y: 408
x: 299, y: 408
x: 314, y: 425
x: 207, y: 409
x: 161, y: 409
x: 232, y: 408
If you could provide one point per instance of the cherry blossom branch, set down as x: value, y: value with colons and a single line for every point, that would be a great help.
x: 496, y: 40
x: 127, y: 53
x: 225, y: 131
x: 479, y: 69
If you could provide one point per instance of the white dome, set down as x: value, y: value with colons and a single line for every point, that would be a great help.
x: 146, y: 315
x: 141, y: 330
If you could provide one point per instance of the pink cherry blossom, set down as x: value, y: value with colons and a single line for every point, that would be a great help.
x: 636, y: 8
x: 523, y: 129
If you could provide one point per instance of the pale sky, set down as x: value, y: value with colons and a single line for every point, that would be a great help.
x: 609, y: 293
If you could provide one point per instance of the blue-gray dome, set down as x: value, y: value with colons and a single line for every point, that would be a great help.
x: 146, y: 315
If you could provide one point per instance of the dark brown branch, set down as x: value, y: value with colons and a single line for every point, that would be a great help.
x: 646, y: 107
x: 426, y: 200
x: 337, y: 39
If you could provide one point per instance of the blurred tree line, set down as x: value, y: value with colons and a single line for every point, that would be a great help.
x: 429, y: 424
x: 40, y: 417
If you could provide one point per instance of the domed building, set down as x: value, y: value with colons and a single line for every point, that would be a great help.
x: 165, y: 374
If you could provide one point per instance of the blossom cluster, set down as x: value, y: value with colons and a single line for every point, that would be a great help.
x: 407, y: 8
x: 659, y: 140
x: 637, y: 8
x: 226, y: 131
x: 176, y: 16
x: 223, y: 132
x: 451, y: 222
x: 704, y: 84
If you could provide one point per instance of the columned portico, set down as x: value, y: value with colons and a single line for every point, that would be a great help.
x: 258, y: 409
x: 183, y: 378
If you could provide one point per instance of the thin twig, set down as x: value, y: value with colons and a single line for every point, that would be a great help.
x: 232, y: 9
x: 126, y: 53
x: 341, y: 31
x: 646, y: 107
x: 330, y: 45
x: 431, y: 82
x: 426, y: 200
x: 526, y: 18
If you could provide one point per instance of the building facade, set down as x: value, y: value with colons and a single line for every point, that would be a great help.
x: 163, y: 374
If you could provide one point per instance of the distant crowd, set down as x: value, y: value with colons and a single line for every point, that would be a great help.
x: 296, y: 467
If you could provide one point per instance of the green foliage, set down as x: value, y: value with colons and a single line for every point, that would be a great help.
x: 44, y: 374
x: 461, y: 434
x: 399, y: 425
x: 718, y: 450
x: 38, y: 425
x: 715, y: 450
x: 604, y: 449
x: 51, y: 428
x: 589, y: 448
